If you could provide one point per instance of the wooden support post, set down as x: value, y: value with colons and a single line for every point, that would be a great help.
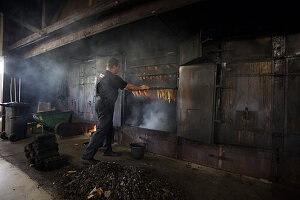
x: 2, y: 119
x: 44, y: 14
x: 1, y: 33
x: 58, y: 12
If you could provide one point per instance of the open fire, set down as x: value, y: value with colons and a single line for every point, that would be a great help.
x: 91, y: 131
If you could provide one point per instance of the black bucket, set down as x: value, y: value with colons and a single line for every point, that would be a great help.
x: 137, y: 150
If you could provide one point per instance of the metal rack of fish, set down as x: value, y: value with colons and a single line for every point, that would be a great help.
x: 162, y: 79
x: 167, y: 94
x: 111, y: 180
x: 161, y: 75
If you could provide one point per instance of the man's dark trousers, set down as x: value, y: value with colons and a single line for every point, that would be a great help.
x: 104, y: 132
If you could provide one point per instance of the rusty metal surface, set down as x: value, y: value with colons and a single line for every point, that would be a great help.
x: 293, y: 44
x: 159, y: 142
x: 132, y: 14
x: 293, y: 96
x: 278, y: 94
x: 195, y: 104
x: 278, y: 46
x: 246, y: 105
x: 287, y: 93
x: 200, y: 153
x: 234, y: 159
x: 256, y: 48
x: 289, y: 168
x: 290, y: 158
x: 82, y: 83
x: 251, y: 162
x: 191, y: 49
x: 242, y: 160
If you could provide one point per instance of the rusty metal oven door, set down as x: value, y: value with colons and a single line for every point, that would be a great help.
x: 245, y: 106
x: 196, y: 101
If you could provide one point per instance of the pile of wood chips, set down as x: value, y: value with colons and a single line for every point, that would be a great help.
x: 111, y: 180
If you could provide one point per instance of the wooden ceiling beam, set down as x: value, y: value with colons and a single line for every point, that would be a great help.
x: 132, y: 14
x: 91, y: 11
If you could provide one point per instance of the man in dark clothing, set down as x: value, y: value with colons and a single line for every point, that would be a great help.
x: 106, y: 94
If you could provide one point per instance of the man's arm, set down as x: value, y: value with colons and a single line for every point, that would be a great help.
x: 130, y: 86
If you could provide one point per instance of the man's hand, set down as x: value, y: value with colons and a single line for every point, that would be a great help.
x: 144, y: 87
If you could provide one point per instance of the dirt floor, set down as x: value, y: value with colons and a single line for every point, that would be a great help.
x: 197, y: 182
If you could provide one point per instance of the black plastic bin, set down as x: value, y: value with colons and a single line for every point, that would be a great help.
x: 16, y: 118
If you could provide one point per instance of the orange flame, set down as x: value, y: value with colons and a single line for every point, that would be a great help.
x: 93, y: 130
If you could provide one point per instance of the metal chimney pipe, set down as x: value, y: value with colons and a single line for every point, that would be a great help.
x: 15, y: 89
x: 10, y: 91
x: 19, y: 90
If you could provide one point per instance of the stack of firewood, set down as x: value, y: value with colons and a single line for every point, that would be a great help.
x: 43, y: 153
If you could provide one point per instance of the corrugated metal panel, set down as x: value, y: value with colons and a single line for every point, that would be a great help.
x: 278, y: 98
x: 199, y: 153
x: 293, y: 96
x: 288, y: 80
x: 191, y: 49
x: 195, y: 105
x: 255, y: 163
x: 256, y: 48
x: 293, y: 44
x: 248, y: 161
x: 159, y: 142
x: 82, y: 83
x: 289, y: 165
x: 235, y: 159
x: 246, y: 105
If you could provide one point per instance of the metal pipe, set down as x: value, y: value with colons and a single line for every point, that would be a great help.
x: 19, y: 90
x: 15, y: 89
x: 10, y: 89
x: 1, y: 34
x: 10, y: 92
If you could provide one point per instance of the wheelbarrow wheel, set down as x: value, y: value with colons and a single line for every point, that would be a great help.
x: 57, y: 126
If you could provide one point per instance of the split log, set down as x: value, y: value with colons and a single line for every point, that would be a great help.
x: 43, y: 153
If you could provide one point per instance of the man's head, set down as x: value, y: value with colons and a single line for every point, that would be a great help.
x: 113, y: 65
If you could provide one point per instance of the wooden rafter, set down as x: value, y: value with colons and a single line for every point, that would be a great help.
x: 44, y: 14
x: 111, y: 21
x: 68, y: 21
x: 26, y: 25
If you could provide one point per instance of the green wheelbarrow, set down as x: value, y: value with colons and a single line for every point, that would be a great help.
x: 50, y: 119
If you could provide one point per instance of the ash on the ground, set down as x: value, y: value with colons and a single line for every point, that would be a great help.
x: 110, y: 180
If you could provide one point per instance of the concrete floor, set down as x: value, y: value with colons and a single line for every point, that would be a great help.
x: 15, y: 184
x: 199, y: 182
